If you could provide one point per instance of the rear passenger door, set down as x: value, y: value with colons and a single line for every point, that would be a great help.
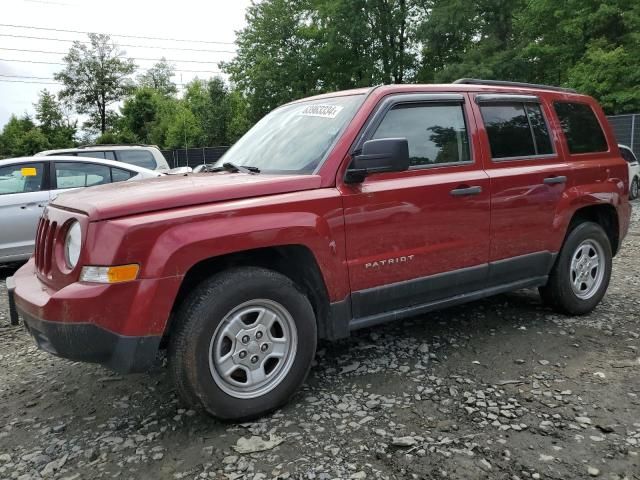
x: 528, y: 176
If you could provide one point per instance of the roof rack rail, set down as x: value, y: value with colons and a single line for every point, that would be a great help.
x: 502, y: 83
x: 92, y: 145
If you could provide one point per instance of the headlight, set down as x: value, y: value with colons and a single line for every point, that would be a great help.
x: 72, y: 245
x: 116, y: 274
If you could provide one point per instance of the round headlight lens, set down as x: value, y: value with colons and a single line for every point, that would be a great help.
x: 72, y: 245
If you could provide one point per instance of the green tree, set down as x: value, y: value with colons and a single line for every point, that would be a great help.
x: 95, y: 76
x: 183, y: 129
x: 159, y: 78
x: 21, y: 137
x: 53, y: 122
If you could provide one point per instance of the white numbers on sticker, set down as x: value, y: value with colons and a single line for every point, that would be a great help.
x: 325, y: 111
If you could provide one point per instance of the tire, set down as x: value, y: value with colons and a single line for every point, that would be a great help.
x: 575, y: 285
x: 217, y: 354
x: 633, y: 189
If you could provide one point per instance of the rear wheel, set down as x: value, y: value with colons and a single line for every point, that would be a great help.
x: 244, y: 343
x: 633, y: 189
x: 580, y: 276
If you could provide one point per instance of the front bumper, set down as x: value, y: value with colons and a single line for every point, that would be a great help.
x: 13, y: 312
x: 85, y: 342
x: 119, y: 326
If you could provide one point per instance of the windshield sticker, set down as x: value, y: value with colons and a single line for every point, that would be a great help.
x: 324, y: 111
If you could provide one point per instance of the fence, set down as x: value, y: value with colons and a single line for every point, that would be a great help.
x: 627, y: 130
x: 192, y: 157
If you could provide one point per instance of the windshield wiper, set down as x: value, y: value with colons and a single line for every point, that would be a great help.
x: 229, y: 167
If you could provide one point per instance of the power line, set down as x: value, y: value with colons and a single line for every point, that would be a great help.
x: 138, y: 69
x: 27, y: 76
x: 181, y: 85
x: 134, y: 58
x: 115, y: 35
x: 49, y: 39
x: 28, y: 81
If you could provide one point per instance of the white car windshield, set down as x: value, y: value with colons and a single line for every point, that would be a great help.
x: 294, y: 138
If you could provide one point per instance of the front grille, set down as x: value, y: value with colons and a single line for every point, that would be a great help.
x: 45, y: 241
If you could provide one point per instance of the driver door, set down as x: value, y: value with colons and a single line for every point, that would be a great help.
x: 421, y: 235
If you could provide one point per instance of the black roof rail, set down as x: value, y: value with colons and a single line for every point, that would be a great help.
x: 502, y: 83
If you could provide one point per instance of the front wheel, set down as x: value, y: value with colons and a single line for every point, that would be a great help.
x: 243, y: 344
x: 580, y: 276
x: 633, y: 189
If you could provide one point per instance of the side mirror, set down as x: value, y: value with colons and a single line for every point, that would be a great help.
x: 377, y: 156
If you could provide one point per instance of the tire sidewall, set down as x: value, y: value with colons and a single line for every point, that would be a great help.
x: 222, y: 300
x: 633, y: 190
x: 584, y: 231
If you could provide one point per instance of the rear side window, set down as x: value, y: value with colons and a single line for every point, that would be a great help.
x: 21, y: 178
x: 140, y: 158
x: 120, y: 175
x: 581, y: 127
x: 91, y: 154
x: 516, y: 130
x: 75, y: 175
x: 437, y: 133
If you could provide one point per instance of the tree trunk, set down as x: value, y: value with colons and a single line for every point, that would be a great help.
x: 103, y: 117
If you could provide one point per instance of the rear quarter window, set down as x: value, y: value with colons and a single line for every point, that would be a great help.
x: 581, y: 127
x: 139, y: 158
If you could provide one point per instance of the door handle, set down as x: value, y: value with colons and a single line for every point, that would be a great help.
x: 23, y: 207
x: 464, y: 190
x: 42, y: 205
x: 554, y: 180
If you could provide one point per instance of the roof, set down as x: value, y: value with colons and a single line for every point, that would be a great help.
x: 96, y: 148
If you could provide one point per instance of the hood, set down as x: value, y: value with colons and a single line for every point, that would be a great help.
x: 129, y: 198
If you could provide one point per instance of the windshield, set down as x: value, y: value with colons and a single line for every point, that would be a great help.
x: 294, y: 138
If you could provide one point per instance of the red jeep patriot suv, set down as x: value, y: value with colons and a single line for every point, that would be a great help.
x: 333, y: 213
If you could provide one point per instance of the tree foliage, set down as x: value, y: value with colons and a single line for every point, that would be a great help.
x: 159, y: 78
x: 95, y: 76
x: 293, y: 48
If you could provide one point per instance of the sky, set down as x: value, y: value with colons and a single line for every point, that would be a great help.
x: 200, y: 22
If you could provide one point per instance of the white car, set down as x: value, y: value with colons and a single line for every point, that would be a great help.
x: 634, y: 170
x: 146, y: 156
x: 27, y: 184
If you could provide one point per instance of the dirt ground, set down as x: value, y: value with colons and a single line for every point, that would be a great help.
x: 500, y: 389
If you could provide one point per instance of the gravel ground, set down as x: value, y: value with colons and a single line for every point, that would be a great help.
x: 500, y: 389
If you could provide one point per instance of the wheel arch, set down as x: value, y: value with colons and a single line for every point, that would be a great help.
x: 297, y: 262
x: 604, y: 215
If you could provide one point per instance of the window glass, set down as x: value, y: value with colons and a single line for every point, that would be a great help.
x: 72, y: 154
x: 628, y: 155
x: 75, y: 175
x: 21, y: 178
x: 436, y: 133
x: 508, y: 129
x: 120, y: 175
x: 92, y: 154
x: 140, y: 158
x: 109, y: 155
x: 539, y: 129
x: 580, y: 127
x: 294, y: 138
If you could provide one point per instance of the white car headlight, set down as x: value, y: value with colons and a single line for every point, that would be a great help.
x: 72, y: 245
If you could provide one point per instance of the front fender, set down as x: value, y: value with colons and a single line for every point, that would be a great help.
x: 169, y: 243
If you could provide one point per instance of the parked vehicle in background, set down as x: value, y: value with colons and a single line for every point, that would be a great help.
x: 27, y: 184
x: 145, y: 156
x: 332, y: 214
x: 634, y: 170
